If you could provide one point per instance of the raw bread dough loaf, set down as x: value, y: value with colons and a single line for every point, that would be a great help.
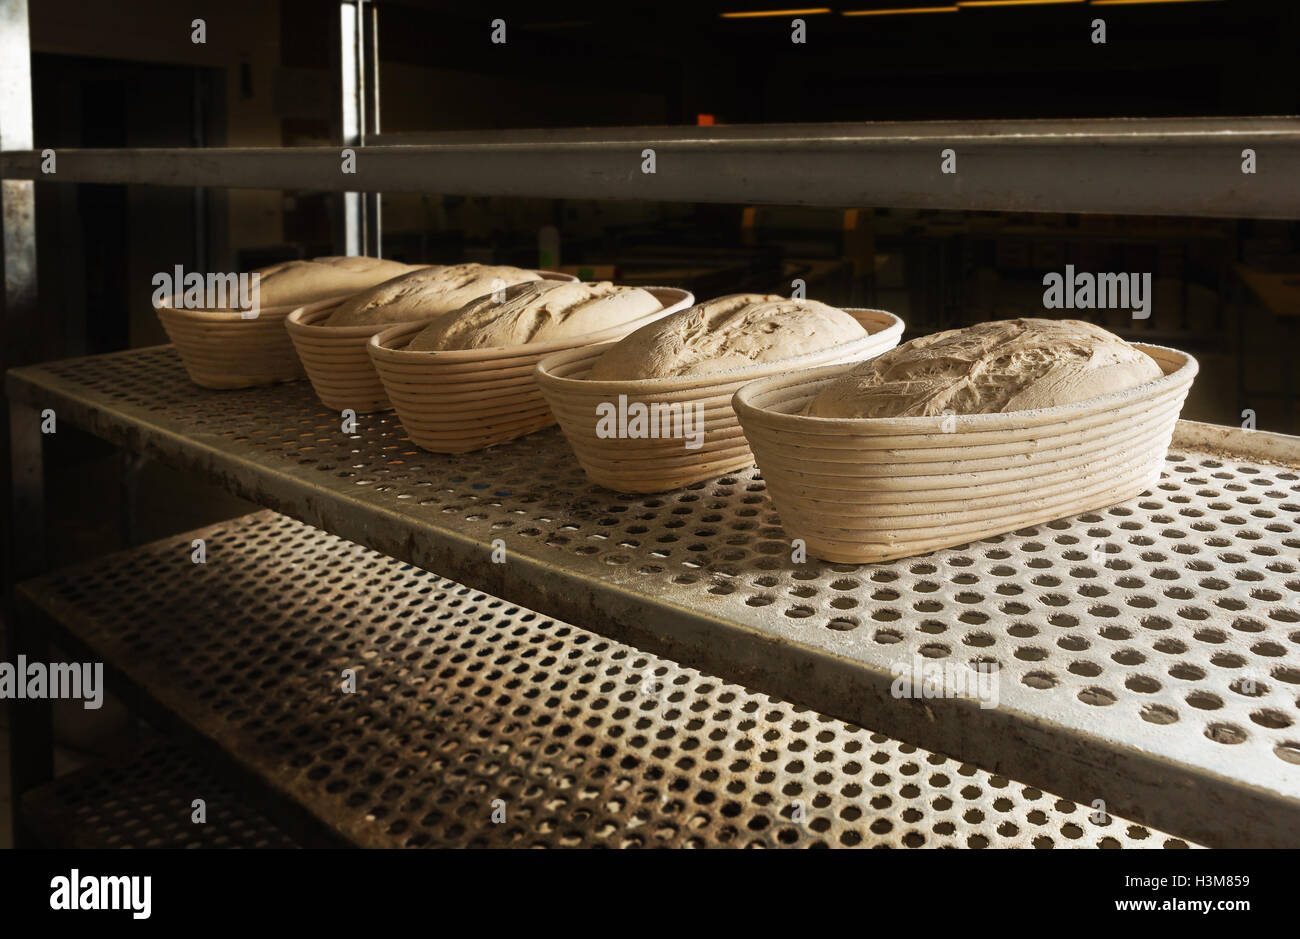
x: 536, y: 312
x: 296, y: 283
x: 426, y: 293
x: 1007, y: 365
x: 727, y: 333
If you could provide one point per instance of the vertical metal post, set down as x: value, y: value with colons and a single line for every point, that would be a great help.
x: 199, y: 138
x: 130, y: 467
x: 31, y: 755
x: 357, y: 229
x: 31, y: 729
x: 21, y: 337
x: 350, y: 226
x: 369, y: 69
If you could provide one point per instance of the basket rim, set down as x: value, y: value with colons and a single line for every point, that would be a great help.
x: 1184, y: 369
x: 379, y: 342
x: 282, y: 310
x: 294, y: 320
x: 893, y: 326
x: 302, y: 321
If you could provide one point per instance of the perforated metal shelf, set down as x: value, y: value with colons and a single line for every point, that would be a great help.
x: 146, y: 801
x: 1148, y: 654
x: 464, y: 699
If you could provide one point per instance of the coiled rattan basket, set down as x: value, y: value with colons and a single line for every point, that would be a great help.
x: 657, y: 464
x: 222, y: 349
x: 466, y: 399
x: 337, y: 362
x: 859, y: 490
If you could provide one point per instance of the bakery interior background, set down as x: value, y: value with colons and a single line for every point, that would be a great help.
x: 124, y: 74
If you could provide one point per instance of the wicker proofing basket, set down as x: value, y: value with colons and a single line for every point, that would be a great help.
x: 657, y: 464
x: 336, y: 359
x: 224, y: 350
x: 467, y: 399
x: 860, y: 490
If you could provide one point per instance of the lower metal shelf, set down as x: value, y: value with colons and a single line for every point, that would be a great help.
x: 468, y: 706
x: 145, y: 800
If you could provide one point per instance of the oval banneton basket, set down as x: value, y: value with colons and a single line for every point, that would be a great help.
x: 336, y: 360
x: 861, y: 490
x: 460, y: 400
x: 222, y: 349
x: 652, y: 455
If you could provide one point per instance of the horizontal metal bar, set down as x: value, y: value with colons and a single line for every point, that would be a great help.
x: 1187, y: 167
x: 1096, y: 130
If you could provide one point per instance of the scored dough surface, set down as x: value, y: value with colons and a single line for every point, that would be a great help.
x: 426, y: 293
x: 1006, y: 365
x: 541, y: 311
x: 299, y: 283
x: 729, y: 332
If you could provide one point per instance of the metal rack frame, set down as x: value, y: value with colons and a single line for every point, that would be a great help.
x: 1173, y: 167
x: 1123, y: 662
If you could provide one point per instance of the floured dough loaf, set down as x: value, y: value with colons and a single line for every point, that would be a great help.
x: 1007, y: 365
x: 426, y: 293
x: 536, y: 312
x: 727, y: 333
x: 296, y: 283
